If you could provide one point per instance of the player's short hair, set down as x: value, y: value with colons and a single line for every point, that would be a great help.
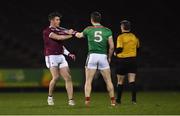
x: 53, y: 15
x: 96, y: 17
x: 126, y: 24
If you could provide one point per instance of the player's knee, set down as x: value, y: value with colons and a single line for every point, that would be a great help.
x: 55, y: 79
x: 68, y: 78
x: 120, y: 83
x: 131, y: 80
x: 88, y: 83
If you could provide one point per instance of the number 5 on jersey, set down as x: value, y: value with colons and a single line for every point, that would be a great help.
x: 98, y: 36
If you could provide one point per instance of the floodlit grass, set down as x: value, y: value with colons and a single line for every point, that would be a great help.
x: 35, y: 103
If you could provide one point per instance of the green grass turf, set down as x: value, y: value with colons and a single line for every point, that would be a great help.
x: 35, y: 103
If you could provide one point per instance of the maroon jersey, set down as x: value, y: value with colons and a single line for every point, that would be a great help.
x: 52, y: 46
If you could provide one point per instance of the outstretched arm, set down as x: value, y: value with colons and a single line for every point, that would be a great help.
x: 59, y: 37
x: 62, y: 37
x: 79, y: 35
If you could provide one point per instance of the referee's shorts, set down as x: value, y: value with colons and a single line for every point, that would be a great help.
x: 126, y: 65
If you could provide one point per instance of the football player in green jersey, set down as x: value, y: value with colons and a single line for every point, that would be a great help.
x: 99, y: 40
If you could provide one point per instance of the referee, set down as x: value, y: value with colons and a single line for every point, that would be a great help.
x: 126, y: 52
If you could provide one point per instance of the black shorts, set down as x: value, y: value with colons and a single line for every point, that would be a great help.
x: 126, y: 65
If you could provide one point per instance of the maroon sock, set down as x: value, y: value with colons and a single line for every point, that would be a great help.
x: 87, y: 98
x: 112, y: 98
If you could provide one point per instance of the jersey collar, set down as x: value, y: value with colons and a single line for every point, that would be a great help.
x: 126, y: 32
x: 97, y: 24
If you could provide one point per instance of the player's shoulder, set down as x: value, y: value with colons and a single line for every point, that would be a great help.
x: 106, y: 28
x: 99, y: 26
x: 127, y: 34
x: 45, y: 30
x: 133, y: 35
x: 130, y: 34
x: 120, y: 35
x: 49, y: 29
x: 88, y: 27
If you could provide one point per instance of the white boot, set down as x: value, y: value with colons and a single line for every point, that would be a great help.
x: 50, y: 101
x: 71, y: 103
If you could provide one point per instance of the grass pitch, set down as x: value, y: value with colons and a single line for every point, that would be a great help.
x: 35, y: 103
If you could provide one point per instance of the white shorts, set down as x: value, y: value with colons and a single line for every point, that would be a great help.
x: 56, y: 61
x: 97, y: 61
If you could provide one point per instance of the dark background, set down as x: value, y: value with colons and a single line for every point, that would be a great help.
x: 156, y: 23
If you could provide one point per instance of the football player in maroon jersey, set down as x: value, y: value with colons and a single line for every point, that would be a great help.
x: 53, y: 50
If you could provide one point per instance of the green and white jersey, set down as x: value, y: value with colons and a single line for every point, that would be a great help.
x: 97, y: 36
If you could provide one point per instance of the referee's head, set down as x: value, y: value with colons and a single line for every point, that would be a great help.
x: 125, y: 26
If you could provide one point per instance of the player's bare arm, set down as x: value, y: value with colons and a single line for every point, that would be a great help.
x: 67, y: 53
x: 70, y: 32
x: 111, y: 48
x: 59, y: 37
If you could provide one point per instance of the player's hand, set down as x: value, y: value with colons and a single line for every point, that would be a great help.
x: 78, y: 35
x: 72, y: 56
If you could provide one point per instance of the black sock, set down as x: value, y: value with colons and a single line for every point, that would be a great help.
x: 119, y: 93
x: 133, y: 90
